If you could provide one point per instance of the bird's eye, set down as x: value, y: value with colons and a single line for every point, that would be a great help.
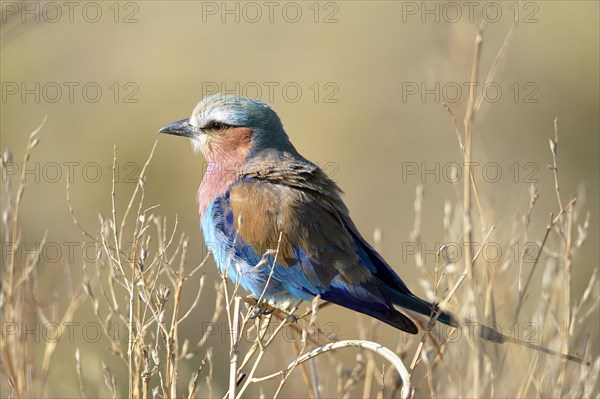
x: 218, y: 126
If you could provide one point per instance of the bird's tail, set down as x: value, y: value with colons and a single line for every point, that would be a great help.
x: 418, y: 305
x: 415, y: 304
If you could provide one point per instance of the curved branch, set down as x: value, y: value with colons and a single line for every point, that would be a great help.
x: 372, y: 346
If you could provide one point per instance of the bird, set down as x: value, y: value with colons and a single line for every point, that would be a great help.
x: 276, y: 224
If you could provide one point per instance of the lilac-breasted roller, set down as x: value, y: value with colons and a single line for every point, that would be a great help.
x: 260, y: 194
x: 276, y: 224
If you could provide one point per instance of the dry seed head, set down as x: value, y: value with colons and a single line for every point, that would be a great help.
x: 155, y: 357
x: 6, y: 156
x: 163, y: 294
x: 5, y: 216
x: 143, y: 254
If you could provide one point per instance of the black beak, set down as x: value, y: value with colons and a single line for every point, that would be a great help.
x: 181, y: 128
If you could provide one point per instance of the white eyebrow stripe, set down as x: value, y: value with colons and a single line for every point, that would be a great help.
x: 218, y: 115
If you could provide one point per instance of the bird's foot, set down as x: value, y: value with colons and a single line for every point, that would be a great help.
x: 290, y: 317
x: 264, y: 309
x: 260, y: 309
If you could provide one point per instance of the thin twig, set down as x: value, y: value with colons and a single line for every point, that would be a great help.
x: 235, y: 349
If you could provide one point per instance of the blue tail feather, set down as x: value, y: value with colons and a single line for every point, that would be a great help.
x: 418, y: 305
x: 393, y: 285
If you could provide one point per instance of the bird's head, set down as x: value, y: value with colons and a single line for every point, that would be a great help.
x: 228, y: 128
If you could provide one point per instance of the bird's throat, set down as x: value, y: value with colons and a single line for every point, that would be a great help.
x: 226, y: 156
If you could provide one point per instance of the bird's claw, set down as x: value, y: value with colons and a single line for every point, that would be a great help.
x: 260, y: 310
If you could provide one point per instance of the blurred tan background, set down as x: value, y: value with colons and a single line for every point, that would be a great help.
x: 353, y: 62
